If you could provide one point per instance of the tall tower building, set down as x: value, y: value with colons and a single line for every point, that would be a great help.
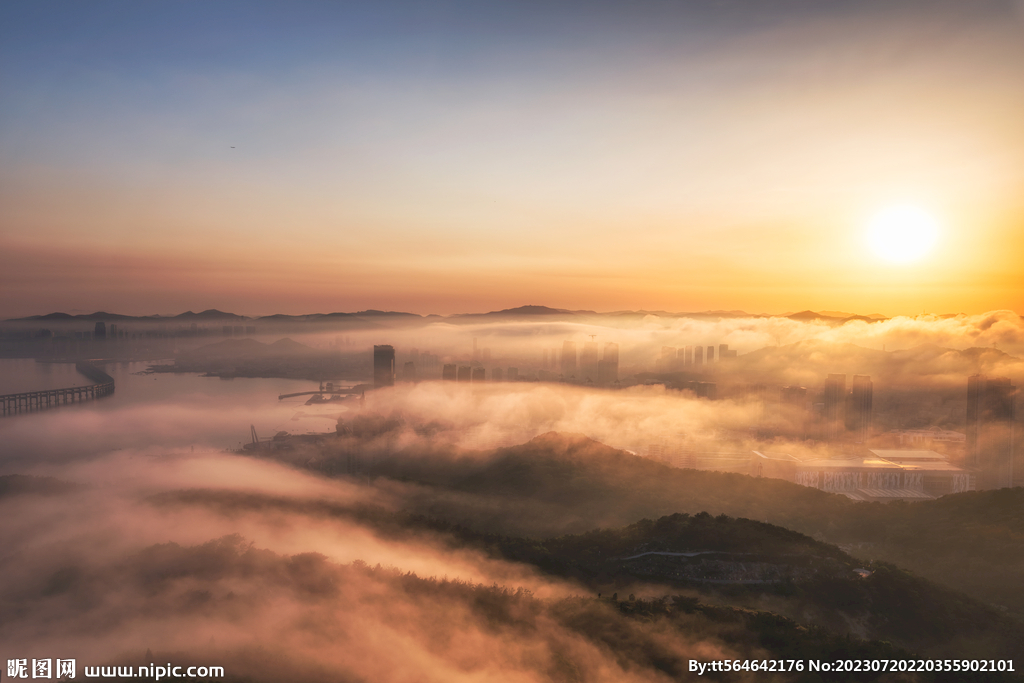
x: 449, y: 372
x: 711, y: 355
x: 608, y: 367
x: 383, y: 366
x: 568, y: 359
x: 835, y: 399
x: 100, y: 331
x: 858, y: 414
x: 698, y: 356
x: 990, y: 438
x: 588, y: 363
x: 409, y: 371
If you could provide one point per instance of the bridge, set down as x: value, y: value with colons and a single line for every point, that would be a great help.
x: 12, y: 404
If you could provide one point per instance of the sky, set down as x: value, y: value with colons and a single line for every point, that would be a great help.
x: 443, y: 157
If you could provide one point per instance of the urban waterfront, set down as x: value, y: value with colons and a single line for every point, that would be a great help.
x: 202, y: 412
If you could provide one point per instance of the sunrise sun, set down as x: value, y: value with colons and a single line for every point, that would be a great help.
x: 902, y: 234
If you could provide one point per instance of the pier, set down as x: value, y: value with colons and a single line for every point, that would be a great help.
x: 12, y: 404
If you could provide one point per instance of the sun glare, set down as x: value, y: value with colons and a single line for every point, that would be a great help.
x: 902, y: 234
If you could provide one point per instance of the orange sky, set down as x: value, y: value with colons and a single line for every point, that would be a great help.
x: 686, y: 162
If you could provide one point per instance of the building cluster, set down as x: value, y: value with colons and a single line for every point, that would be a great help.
x: 593, y: 366
x: 588, y: 367
x: 990, y: 431
x: 691, y: 358
x: 879, y: 475
x: 844, y: 417
x: 847, y: 411
x: 840, y: 412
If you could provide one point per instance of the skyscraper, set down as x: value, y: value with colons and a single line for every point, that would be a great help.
x: 409, y: 371
x: 100, y: 331
x: 449, y: 372
x: 698, y: 356
x: 568, y: 359
x: 711, y: 355
x: 858, y: 416
x: 465, y: 373
x: 479, y: 375
x: 990, y: 437
x: 608, y: 367
x: 835, y: 399
x: 588, y: 362
x: 383, y: 366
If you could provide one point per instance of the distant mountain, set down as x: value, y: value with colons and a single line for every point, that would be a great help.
x: 808, y: 316
x: 211, y: 314
x: 834, y: 317
x: 374, y: 313
x: 527, y: 311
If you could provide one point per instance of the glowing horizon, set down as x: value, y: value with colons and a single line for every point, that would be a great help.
x: 340, y: 158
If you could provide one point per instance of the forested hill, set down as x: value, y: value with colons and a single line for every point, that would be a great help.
x: 560, y: 483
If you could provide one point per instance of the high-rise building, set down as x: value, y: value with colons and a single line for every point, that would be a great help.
x: 711, y: 355
x: 568, y: 359
x: 588, y: 362
x: 698, y: 356
x: 724, y: 352
x: 835, y: 399
x: 383, y: 366
x: 409, y: 371
x: 496, y: 375
x: 608, y: 367
x: 990, y: 434
x: 449, y: 372
x: 465, y: 373
x: 858, y: 413
x: 479, y: 375
x: 100, y: 331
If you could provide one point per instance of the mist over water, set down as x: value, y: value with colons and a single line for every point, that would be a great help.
x: 167, y: 541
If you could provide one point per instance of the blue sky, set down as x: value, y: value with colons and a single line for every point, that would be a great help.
x: 570, y: 151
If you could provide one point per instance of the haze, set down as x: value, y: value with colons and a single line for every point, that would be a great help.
x: 572, y: 342
x: 443, y: 158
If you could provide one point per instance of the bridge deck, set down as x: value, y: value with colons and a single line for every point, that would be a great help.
x: 12, y: 404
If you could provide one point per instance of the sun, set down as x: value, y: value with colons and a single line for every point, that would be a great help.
x: 902, y: 234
